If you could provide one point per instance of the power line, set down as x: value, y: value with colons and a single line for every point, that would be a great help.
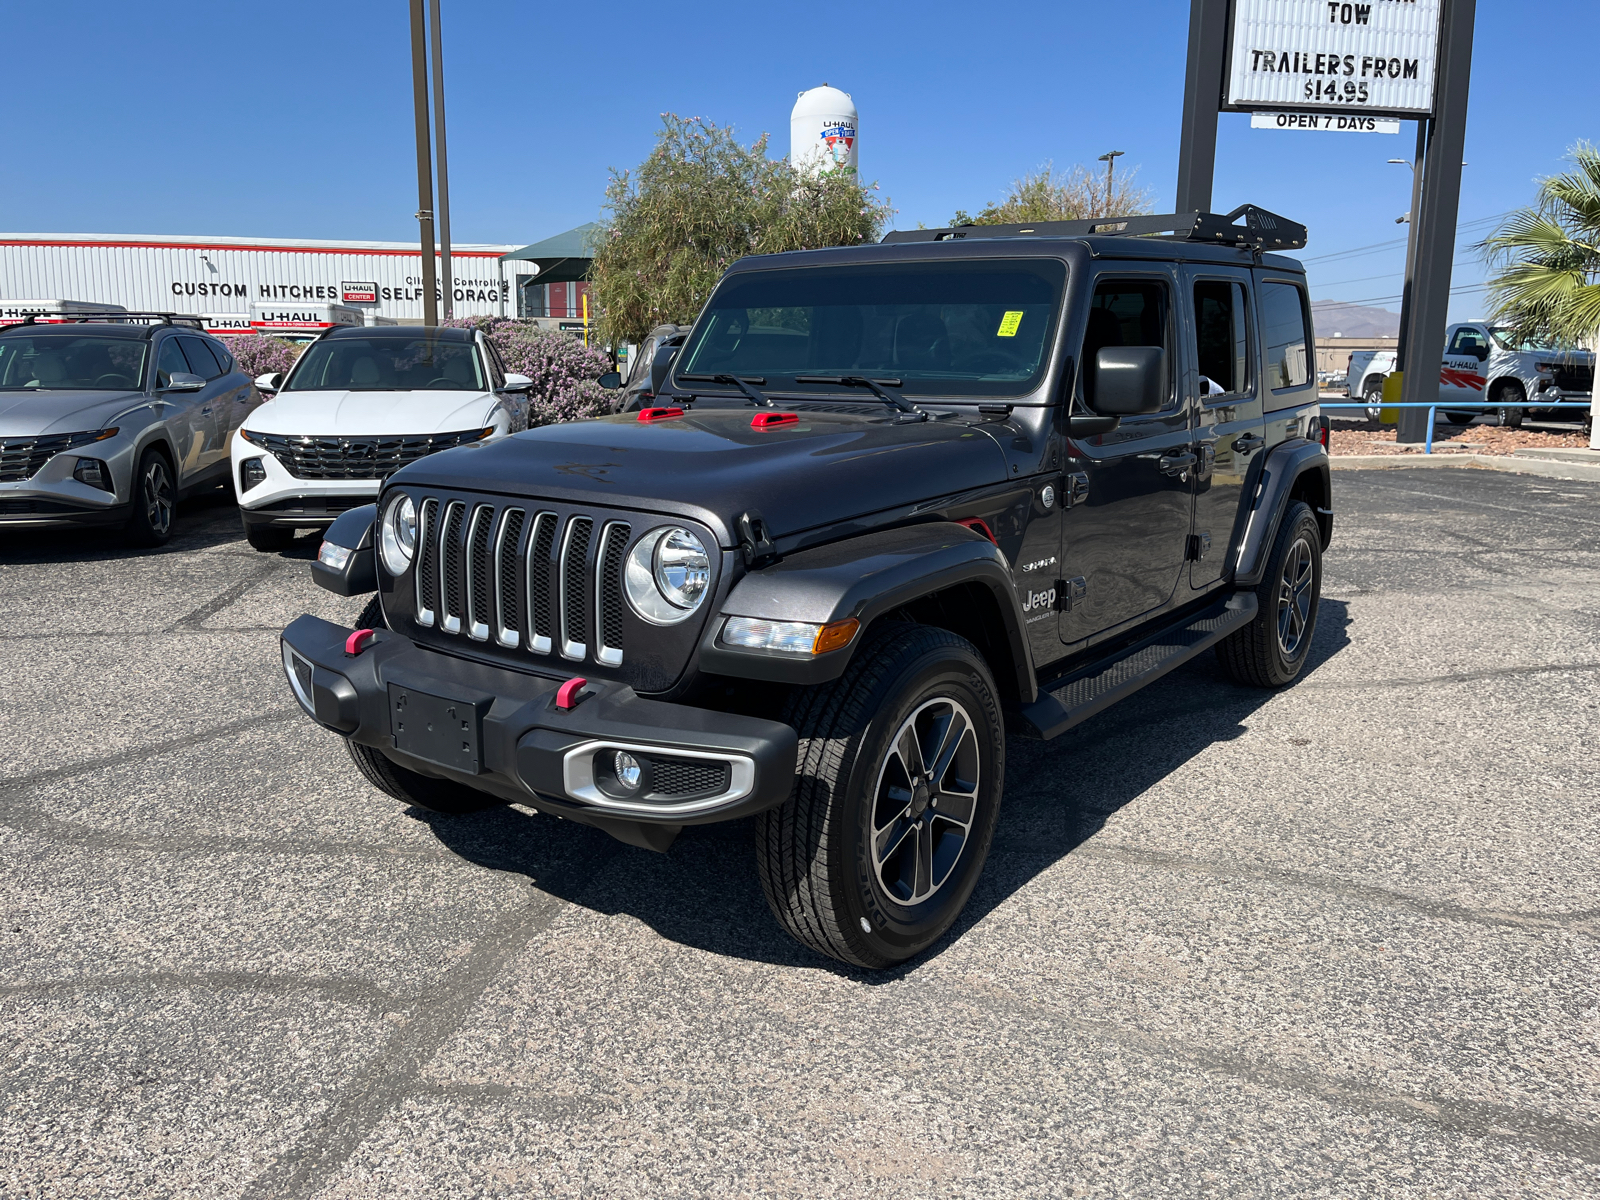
x: 1464, y: 288
x: 1379, y: 247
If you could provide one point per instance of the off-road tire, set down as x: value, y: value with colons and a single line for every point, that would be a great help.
x: 435, y: 795
x: 1510, y: 392
x: 268, y: 538
x: 155, y: 501
x: 1256, y: 655
x: 372, y: 616
x: 814, y: 852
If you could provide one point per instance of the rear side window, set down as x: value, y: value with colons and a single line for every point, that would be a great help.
x: 201, y: 361
x: 1286, y: 333
x: 1220, y: 333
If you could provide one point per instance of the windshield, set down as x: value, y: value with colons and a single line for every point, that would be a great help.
x: 387, y: 364
x: 71, y: 363
x: 960, y: 329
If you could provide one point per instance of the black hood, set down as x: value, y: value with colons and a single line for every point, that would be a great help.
x: 712, y: 465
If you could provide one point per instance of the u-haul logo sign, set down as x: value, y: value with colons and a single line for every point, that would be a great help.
x: 359, y: 291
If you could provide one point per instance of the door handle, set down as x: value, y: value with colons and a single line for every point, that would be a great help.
x: 1177, y: 464
x: 1248, y: 443
x: 205, y: 412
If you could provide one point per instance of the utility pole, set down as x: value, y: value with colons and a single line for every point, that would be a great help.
x: 1436, y: 196
x: 1110, y: 159
x: 447, y: 286
x: 419, y: 87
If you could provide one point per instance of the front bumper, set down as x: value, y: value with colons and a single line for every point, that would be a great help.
x: 500, y: 731
x: 52, y: 497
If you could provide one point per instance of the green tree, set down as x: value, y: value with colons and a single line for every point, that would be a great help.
x: 1075, y: 195
x: 1547, y: 282
x: 700, y: 201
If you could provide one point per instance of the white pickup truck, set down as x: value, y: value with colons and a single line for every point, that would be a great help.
x: 1486, y: 369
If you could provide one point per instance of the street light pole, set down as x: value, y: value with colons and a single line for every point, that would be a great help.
x: 446, y: 285
x: 1110, y: 160
x: 419, y: 88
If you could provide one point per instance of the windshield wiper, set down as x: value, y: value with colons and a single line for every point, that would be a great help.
x: 872, y: 385
x: 733, y: 380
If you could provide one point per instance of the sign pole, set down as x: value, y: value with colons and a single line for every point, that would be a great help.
x: 446, y: 285
x: 1433, y: 221
x: 419, y: 89
x: 1202, y: 94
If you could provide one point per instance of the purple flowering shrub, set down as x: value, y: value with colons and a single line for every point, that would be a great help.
x: 258, y: 354
x: 564, y: 371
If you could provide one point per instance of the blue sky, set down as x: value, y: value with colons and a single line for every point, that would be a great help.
x: 286, y: 118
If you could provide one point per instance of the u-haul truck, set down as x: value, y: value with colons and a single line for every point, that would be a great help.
x: 42, y: 311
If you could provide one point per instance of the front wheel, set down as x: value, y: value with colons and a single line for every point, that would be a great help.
x: 154, y: 501
x: 1272, y: 649
x: 1509, y: 396
x: 901, y: 767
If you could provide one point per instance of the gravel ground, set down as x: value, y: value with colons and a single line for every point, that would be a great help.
x: 1337, y: 941
x: 1348, y: 435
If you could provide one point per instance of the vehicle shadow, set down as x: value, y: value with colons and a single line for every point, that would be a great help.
x: 705, y: 891
x: 202, y: 521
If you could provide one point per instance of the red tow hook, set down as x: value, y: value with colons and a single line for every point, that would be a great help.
x: 569, y: 693
x: 358, y: 641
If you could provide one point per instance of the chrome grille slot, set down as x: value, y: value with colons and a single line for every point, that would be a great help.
x: 427, y: 572
x: 507, y: 598
x: 479, y: 589
x: 451, y: 585
x: 574, y: 610
x: 541, y: 618
x: 608, y: 596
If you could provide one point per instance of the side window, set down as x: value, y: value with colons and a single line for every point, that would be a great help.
x: 1125, y: 312
x: 224, y: 358
x: 201, y: 361
x: 1287, y: 335
x: 170, y: 361
x: 1221, y: 335
x: 1468, y: 341
x: 497, y: 368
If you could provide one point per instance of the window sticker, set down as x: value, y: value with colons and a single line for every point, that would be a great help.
x: 1008, y: 324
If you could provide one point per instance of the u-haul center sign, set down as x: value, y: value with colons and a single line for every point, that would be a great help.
x: 1375, y: 58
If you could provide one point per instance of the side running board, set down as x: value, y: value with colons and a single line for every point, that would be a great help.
x: 1075, y: 698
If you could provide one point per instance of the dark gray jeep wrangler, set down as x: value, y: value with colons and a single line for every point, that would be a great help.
x: 891, y: 503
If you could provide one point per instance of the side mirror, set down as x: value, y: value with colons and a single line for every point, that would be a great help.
x: 517, y: 383
x: 611, y: 381
x: 270, y: 381
x: 660, y: 366
x: 179, y: 381
x: 1130, y: 380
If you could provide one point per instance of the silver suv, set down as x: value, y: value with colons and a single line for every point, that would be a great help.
x: 111, y: 420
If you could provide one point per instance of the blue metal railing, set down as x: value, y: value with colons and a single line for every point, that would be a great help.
x: 1433, y: 410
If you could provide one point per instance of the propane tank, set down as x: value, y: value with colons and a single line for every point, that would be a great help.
x: 823, y: 131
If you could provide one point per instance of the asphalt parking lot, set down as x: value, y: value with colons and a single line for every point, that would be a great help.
x: 1339, y: 941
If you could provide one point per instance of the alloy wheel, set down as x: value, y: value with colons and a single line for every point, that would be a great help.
x: 925, y: 801
x: 1294, y: 597
x: 157, y: 490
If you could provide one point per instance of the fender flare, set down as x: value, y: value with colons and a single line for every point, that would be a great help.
x: 355, y: 530
x: 1287, y: 463
x: 864, y: 578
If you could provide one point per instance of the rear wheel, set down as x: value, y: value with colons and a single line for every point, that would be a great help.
x: 1374, y: 398
x: 1272, y: 649
x: 1508, y: 395
x: 154, y: 501
x: 901, y: 768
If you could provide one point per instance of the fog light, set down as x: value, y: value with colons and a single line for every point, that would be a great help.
x: 93, y: 472
x: 334, y: 556
x: 626, y: 768
x: 251, y: 473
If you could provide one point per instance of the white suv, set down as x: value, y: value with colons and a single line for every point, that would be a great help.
x: 360, y: 404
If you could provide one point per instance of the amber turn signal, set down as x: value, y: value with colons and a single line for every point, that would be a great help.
x: 835, y: 636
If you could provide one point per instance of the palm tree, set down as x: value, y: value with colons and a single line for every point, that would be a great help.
x: 1548, y: 257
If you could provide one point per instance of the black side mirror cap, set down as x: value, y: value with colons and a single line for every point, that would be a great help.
x: 611, y: 380
x: 660, y: 366
x: 1130, y: 380
x: 358, y: 574
x: 1081, y: 425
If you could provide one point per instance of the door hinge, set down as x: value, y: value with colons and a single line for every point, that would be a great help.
x: 1070, y: 592
x: 1199, y: 546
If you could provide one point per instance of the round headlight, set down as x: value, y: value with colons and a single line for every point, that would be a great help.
x: 667, y: 575
x: 397, y: 536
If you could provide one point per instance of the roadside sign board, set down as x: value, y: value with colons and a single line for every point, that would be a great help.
x: 1375, y: 58
x: 1328, y: 121
x: 358, y: 291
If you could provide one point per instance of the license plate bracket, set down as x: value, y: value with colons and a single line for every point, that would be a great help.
x: 444, y: 730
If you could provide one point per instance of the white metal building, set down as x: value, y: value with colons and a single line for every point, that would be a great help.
x: 160, y: 273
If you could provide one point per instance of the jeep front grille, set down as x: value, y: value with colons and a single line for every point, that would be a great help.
x: 355, y: 457
x: 522, y: 577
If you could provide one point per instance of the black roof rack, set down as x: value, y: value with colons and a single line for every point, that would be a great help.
x: 144, y: 318
x: 1261, y: 229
